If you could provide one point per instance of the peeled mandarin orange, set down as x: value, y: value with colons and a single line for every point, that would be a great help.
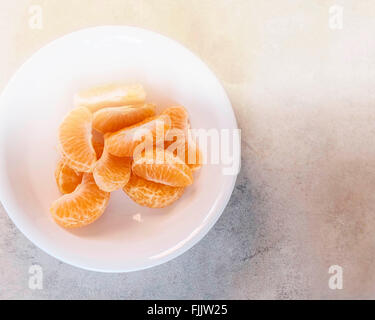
x: 180, y: 142
x: 179, y: 117
x: 179, y: 124
x: 123, y: 142
x: 81, y: 207
x: 113, y: 140
x: 151, y: 194
x: 67, y: 179
x: 116, y: 118
x: 112, y: 173
x: 97, y: 143
x: 75, y: 140
x: 193, y: 155
x: 188, y: 151
x: 110, y: 95
x: 171, y: 170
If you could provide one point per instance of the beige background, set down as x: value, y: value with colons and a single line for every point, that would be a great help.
x: 304, y: 96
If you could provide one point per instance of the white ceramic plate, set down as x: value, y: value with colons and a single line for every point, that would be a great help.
x: 127, y: 237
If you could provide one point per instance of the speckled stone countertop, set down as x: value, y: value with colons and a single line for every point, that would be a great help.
x: 301, y: 79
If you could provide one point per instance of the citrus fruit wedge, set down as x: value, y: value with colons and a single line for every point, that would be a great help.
x: 179, y: 117
x: 151, y: 194
x: 67, y: 179
x: 193, y: 154
x: 81, y: 207
x: 75, y: 142
x: 110, y: 95
x: 123, y: 142
x: 169, y: 169
x: 187, y: 150
x: 112, y: 173
x: 179, y: 139
x: 97, y: 143
x: 116, y: 118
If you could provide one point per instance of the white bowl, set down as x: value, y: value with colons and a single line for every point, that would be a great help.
x: 127, y: 237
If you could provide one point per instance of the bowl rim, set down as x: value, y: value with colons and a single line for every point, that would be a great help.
x: 188, y: 242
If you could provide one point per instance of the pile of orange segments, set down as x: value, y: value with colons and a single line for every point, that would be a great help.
x: 114, y: 140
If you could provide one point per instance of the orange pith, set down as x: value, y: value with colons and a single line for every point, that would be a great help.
x: 67, y: 179
x: 112, y: 173
x: 123, y: 142
x: 169, y: 169
x: 151, y: 194
x: 81, y: 207
x: 116, y: 118
x: 75, y: 140
x: 110, y: 95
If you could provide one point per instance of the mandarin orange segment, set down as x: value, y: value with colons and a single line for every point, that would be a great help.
x: 75, y: 140
x: 179, y: 139
x: 67, y: 179
x: 188, y: 151
x: 112, y: 173
x: 193, y: 155
x: 97, y: 143
x: 184, y: 146
x: 110, y: 95
x: 81, y: 207
x: 116, y: 118
x: 179, y: 125
x: 179, y: 117
x: 162, y: 166
x: 123, y: 142
x: 151, y: 194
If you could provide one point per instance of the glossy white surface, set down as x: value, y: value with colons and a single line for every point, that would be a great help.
x: 128, y: 237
